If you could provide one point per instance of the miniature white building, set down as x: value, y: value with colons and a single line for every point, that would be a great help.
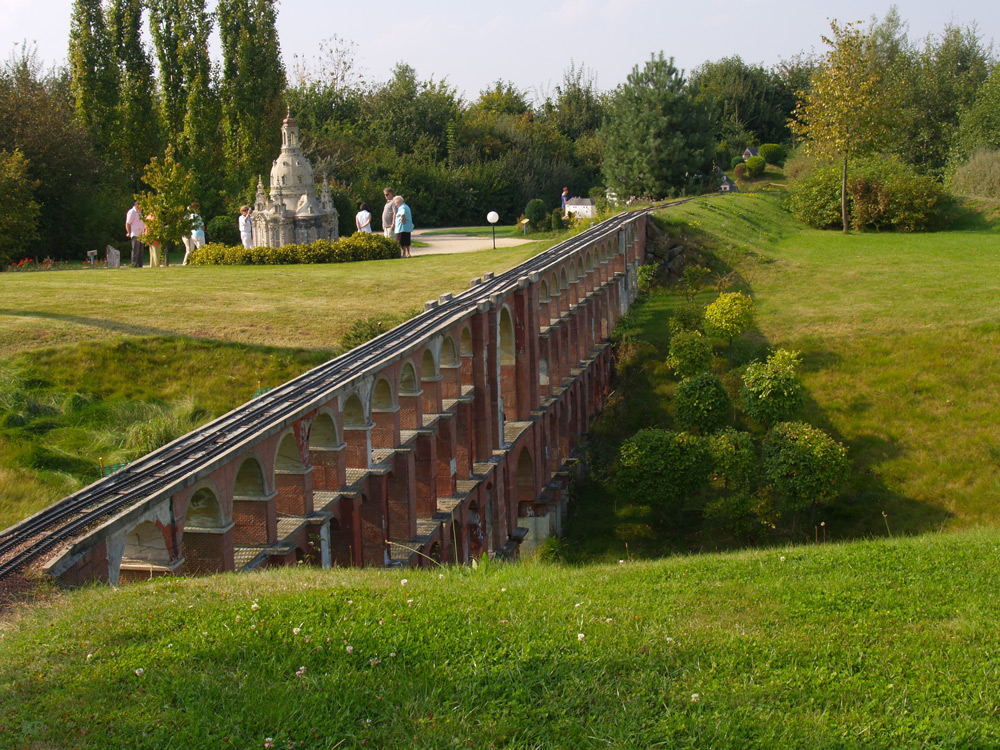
x: 292, y: 215
x: 582, y: 208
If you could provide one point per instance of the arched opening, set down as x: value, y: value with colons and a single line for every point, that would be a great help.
x: 323, y: 433
x: 408, y: 380
x: 249, y: 480
x: 508, y: 368
x: 543, y: 371
x: 507, y: 354
x: 430, y: 381
x: 382, y: 396
x: 465, y: 342
x: 356, y: 437
x: 385, y: 433
x: 203, y: 511
x: 524, y: 483
x: 543, y: 291
x: 146, y: 543
x: 409, y: 398
x: 325, y: 454
x: 451, y: 369
x: 289, y: 458
x: 354, y: 414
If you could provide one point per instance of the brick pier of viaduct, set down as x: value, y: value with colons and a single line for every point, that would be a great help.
x: 450, y: 445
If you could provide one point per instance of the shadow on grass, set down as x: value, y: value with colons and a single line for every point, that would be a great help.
x: 126, y: 329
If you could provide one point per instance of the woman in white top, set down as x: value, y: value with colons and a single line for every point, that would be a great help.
x: 363, y: 220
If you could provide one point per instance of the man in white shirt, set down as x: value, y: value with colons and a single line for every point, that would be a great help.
x: 246, y: 228
x: 135, y: 227
x: 389, y: 214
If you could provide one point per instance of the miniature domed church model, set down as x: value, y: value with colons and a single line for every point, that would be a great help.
x: 292, y: 215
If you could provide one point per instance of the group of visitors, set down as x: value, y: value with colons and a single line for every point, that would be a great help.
x: 136, y: 230
x: 397, y: 220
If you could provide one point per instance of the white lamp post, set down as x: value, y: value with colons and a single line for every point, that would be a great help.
x: 493, y: 217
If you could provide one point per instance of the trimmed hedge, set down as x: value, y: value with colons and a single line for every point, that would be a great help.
x: 773, y: 153
x: 755, y: 167
x: 358, y: 246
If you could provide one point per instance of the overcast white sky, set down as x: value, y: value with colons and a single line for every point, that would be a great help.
x: 532, y: 43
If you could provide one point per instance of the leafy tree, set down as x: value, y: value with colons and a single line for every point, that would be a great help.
x: 979, y: 176
x: 503, y: 98
x: 577, y: 107
x: 536, y: 212
x: 773, y: 153
x: 847, y: 111
x: 662, y: 468
x: 136, y: 135
x: 166, y: 206
x: 805, y: 466
x: 37, y: 118
x: 701, y: 402
x: 735, y: 460
x: 253, y: 85
x: 753, y: 103
x: 772, y: 392
x: 657, y: 136
x: 979, y: 125
x: 755, y: 167
x: 19, y: 219
x: 94, y: 71
x: 690, y: 353
x: 729, y: 316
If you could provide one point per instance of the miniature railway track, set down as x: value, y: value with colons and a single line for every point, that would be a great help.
x: 61, y: 522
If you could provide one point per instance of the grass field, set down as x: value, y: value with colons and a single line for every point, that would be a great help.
x: 109, y: 364
x: 879, y: 644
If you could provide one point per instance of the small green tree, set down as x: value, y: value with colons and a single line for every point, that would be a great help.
x: 755, y: 167
x: 729, y: 316
x: 772, y: 392
x: 536, y: 213
x: 662, y: 468
x: 735, y: 460
x: 557, y: 221
x: 690, y: 353
x: 805, y: 466
x: 773, y: 153
x: 166, y: 207
x: 19, y: 218
x: 694, y: 277
x: 701, y: 402
x: 688, y: 317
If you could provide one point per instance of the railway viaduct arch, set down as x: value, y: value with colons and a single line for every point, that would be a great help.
x: 444, y: 439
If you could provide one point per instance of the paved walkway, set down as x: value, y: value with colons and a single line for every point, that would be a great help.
x: 442, y: 244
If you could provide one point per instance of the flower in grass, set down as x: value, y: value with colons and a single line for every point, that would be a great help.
x: 409, y: 601
x: 609, y: 620
x: 255, y: 606
x: 577, y: 605
x: 440, y: 575
x: 89, y: 657
x: 239, y: 619
x: 269, y: 742
x: 782, y: 558
x: 300, y: 671
x: 404, y: 582
x: 695, y: 697
x: 373, y: 662
x: 580, y: 636
x: 350, y: 649
x: 296, y: 631
x: 139, y: 672
x: 393, y: 655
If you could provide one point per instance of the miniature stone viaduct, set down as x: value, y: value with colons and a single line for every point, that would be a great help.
x: 445, y: 439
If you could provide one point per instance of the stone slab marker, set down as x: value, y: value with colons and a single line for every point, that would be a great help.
x: 114, y: 257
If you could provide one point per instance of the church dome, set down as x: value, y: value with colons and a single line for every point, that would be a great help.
x: 291, y: 174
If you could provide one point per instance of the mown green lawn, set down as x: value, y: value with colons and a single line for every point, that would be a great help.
x: 110, y: 364
x: 879, y: 644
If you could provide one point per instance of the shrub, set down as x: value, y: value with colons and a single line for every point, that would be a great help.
x: 740, y: 171
x: 702, y: 402
x: 224, y: 230
x: 365, y: 246
x: 882, y: 194
x: 688, y: 317
x: 557, y: 221
x: 729, y: 316
x: 690, y: 353
x: 662, y: 468
x: 979, y: 176
x: 735, y: 162
x: 734, y: 460
x: 536, y: 213
x: 755, y: 167
x: 740, y: 513
x: 773, y: 153
x: 210, y: 254
x: 772, y: 392
x: 646, y: 276
x: 803, y: 464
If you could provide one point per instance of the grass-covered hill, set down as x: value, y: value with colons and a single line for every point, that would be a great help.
x: 889, y: 642
x: 106, y: 364
x: 883, y: 644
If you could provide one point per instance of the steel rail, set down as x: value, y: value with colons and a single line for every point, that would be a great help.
x: 172, y: 463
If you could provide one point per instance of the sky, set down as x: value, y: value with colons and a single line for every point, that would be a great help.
x: 532, y: 44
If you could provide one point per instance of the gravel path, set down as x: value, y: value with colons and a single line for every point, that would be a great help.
x: 443, y: 244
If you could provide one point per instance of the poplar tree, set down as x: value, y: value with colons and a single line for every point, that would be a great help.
x: 167, y: 28
x: 847, y: 111
x: 136, y: 135
x: 94, y: 72
x: 253, y: 85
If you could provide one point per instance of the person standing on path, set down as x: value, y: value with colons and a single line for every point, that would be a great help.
x: 135, y: 227
x: 389, y: 215
x: 363, y: 220
x: 403, y: 224
x: 246, y: 228
x: 197, y: 238
x: 565, y: 197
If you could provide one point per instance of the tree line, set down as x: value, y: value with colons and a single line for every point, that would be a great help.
x: 76, y: 141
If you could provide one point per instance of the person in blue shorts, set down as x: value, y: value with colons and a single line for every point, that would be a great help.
x: 403, y: 224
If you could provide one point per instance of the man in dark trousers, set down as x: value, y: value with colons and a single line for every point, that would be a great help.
x: 389, y: 214
x: 135, y: 227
